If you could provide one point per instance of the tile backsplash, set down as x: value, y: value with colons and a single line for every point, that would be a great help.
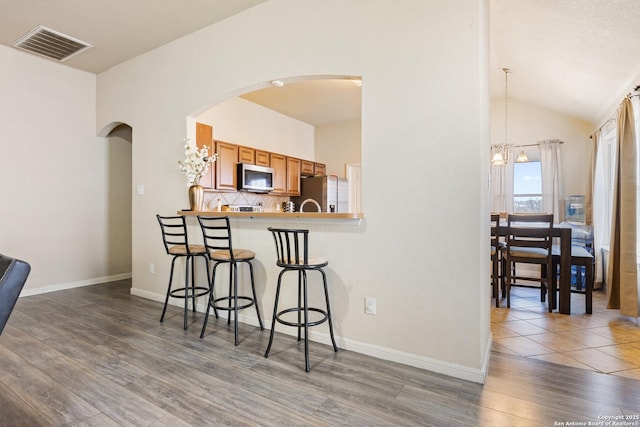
x: 269, y: 202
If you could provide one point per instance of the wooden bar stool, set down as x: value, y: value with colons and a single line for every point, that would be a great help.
x: 216, y: 234
x: 176, y: 243
x: 292, y: 248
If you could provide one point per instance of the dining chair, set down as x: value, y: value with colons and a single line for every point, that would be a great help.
x: 529, y: 241
x: 582, y: 257
x: 495, y: 257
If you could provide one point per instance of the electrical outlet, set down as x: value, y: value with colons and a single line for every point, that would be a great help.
x: 370, y: 305
x: 152, y: 268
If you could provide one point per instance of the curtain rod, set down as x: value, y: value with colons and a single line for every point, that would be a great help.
x: 635, y: 89
x: 528, y: 145
x: 612, y: 118
x: 534, y: 145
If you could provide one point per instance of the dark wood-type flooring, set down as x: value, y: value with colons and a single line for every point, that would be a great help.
x: 97, y: 356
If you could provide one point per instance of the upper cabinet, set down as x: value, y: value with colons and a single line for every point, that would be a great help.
x: 279, y: 165
x: 253, y: 156
x: 226, y: 166
x: 262, y: 158
x: 319, y: 169
x: 293, y: 176
x: 286, y: 175
x: 246, y: 155
x: 306, y: 168
x: 204, y: 138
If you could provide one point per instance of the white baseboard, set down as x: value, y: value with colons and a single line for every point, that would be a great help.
x: 71, y: 285
x: 422, y: 362
x: 487, y: 358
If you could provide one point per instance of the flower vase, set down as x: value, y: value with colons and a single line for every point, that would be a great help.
x: 196, y: 197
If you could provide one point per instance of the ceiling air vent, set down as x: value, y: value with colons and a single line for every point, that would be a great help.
x: 52, y: 44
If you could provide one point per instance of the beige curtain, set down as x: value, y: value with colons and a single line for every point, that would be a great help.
x: 622, y: 280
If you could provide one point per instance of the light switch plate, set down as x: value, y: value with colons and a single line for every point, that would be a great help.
x: 370, y: 305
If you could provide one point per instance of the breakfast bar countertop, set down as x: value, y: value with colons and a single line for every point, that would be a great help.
x: 284, y: 215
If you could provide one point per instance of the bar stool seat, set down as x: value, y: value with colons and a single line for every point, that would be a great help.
x: 176, y: 243
x: 238, y: 254
x: 293, y: 255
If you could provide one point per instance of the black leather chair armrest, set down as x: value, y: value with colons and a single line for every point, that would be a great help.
x: 13, y: 275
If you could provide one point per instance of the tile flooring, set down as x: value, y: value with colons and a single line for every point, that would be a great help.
x: 604, y: 342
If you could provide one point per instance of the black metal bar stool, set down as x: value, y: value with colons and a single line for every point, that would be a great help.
x: 292, y: 248
x: 176, y: 243
x: 216, y: 234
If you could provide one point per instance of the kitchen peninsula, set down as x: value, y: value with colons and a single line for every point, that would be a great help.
x: 282, y: 215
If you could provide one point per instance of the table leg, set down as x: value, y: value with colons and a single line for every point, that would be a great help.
x: 565, y: 271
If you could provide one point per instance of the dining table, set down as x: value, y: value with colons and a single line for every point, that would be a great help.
x: 563, y: 233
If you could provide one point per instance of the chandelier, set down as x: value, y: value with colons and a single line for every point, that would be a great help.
x: 501, y: 151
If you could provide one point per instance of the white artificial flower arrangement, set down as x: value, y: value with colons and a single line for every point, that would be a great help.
x: 196, y: 162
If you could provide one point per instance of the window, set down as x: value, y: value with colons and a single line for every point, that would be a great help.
x: 527, y: 187
x: 604, y: 184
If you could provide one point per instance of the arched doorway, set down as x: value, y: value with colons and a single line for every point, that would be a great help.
x: 118, y: 138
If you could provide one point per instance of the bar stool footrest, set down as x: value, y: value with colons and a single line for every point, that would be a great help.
x: 300, y: 309
x: 189, y: 292
x: 232, y: 308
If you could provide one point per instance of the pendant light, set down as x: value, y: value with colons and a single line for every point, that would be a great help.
x: 522, y: 157
x: 501, y: 156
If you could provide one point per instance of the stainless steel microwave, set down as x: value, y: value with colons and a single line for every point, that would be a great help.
x: 257, y: 179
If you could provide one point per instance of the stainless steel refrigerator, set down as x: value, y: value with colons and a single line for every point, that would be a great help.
x: 327, y: 191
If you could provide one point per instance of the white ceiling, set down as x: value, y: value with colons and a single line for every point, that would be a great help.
x: 317, y: 102
x: 571, y: 56
x: 119, y: 29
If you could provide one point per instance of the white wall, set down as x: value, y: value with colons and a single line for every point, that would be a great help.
x: 55, y: 176
x: 529, y: 124
x: 424, y: 108
x: 338, y: 144
x: 245, y: 123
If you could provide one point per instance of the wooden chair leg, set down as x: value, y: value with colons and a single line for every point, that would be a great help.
x: 543, y: 286
x: 494, y: 280
x: 508, y: 285
x: 589, y: 288
x: 503, y: 275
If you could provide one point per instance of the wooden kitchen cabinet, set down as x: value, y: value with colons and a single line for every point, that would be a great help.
x: 246, y: 155
x: 286, y: 175
x: 225, y: 166
x: 204, y: 138
x: 222, y: 174
x: 293, y: 176
x: 279, y: 164
x: 262, y: 158
x: 306, y: 168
